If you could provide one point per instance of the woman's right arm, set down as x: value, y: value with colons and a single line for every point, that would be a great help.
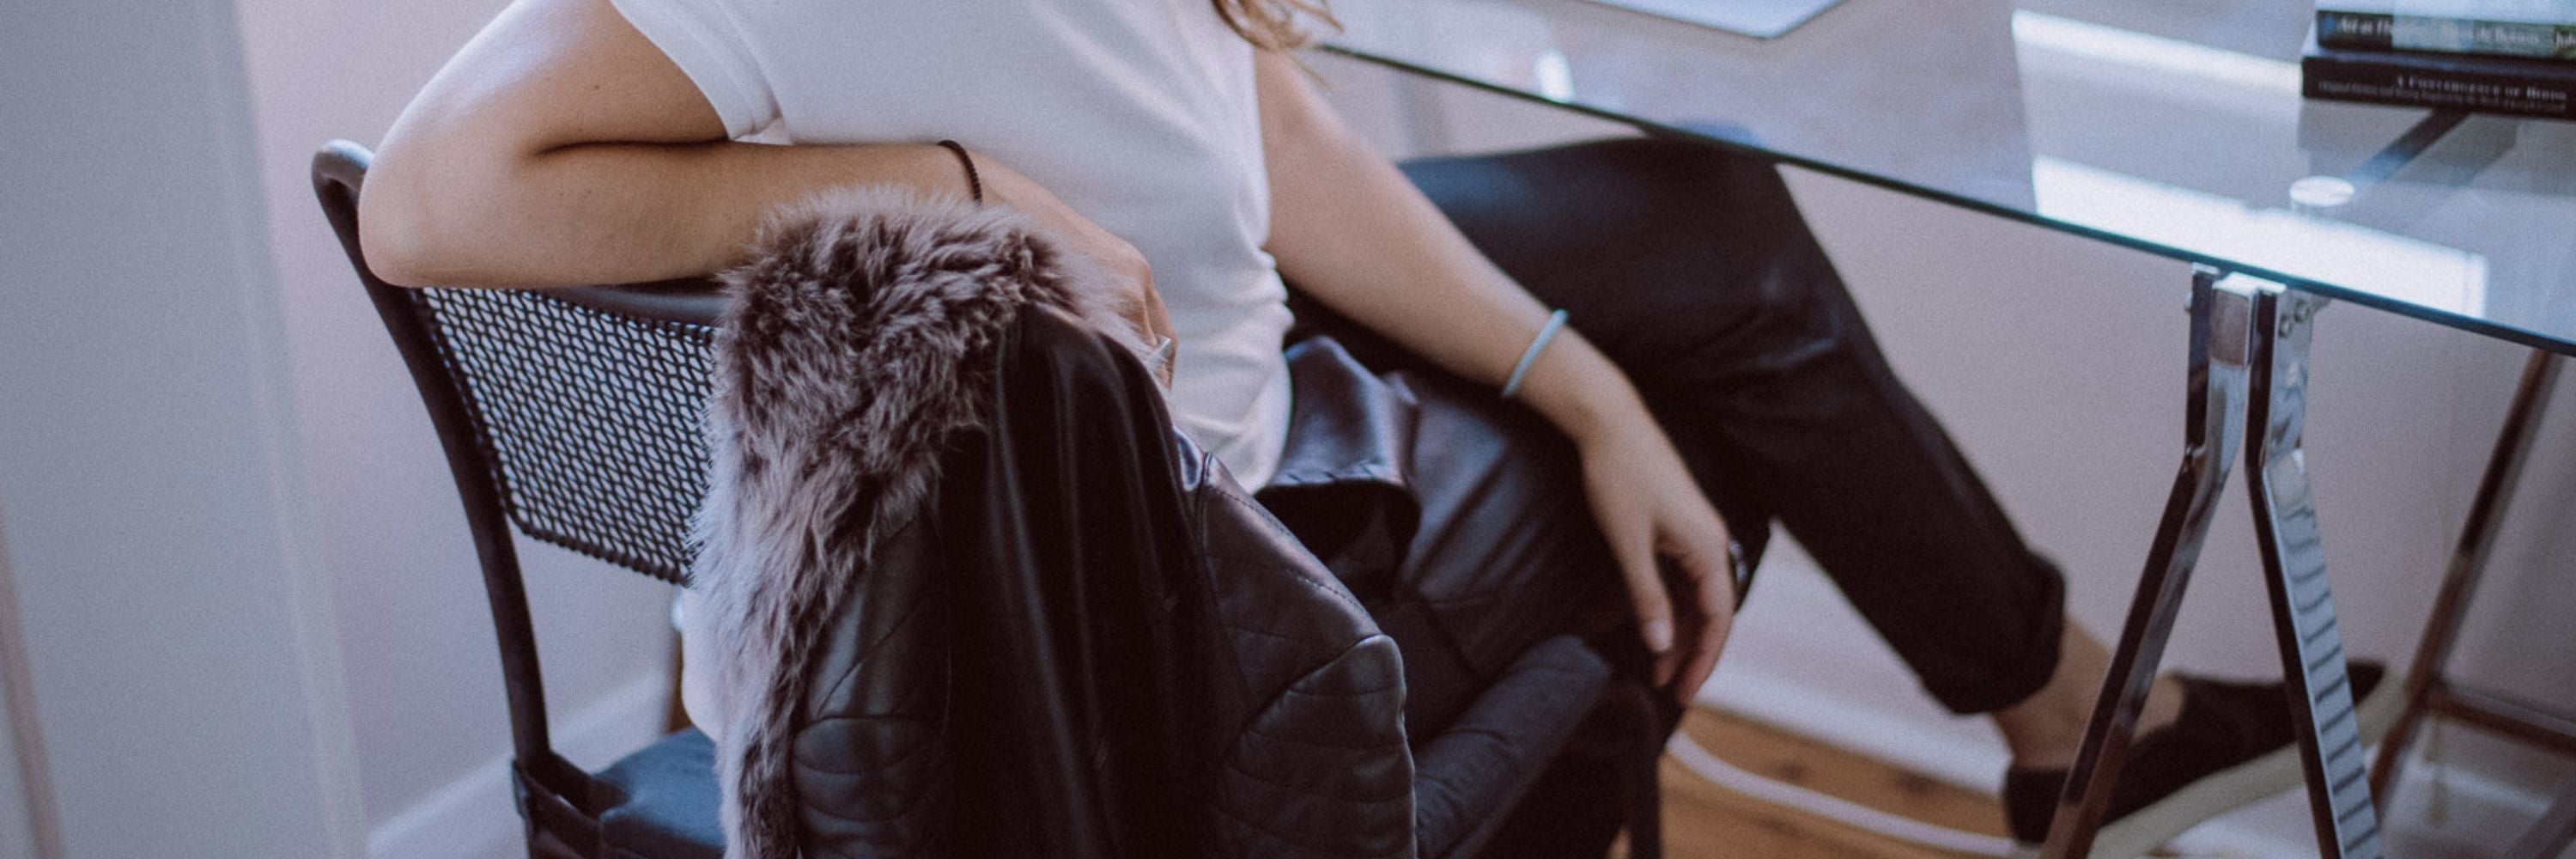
x: 561, y: 147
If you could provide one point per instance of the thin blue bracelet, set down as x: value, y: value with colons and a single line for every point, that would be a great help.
x: 1529, y: 357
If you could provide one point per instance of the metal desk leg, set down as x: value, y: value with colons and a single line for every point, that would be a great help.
x: 2556, y: 831
x: 2294, y: 561
x: 2221, y: 318
x: 2468, y: 566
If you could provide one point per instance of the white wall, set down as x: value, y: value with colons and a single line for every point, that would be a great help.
x: 17, y: 815
x: 424, y: 684
x: 17, y: 834
x: 252, y: 606
x: 150, y: 482
x: 2056, y: 362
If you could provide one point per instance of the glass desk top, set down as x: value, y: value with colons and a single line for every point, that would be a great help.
x: 2174, y: 126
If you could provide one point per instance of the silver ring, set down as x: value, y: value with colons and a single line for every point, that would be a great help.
x: 1741, y: 570
x: 1163, y: 354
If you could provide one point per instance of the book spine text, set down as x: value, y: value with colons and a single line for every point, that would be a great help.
x: 2379, y: 32
x: 2493, y: 93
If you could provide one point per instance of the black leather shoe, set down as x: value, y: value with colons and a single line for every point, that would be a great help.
x: 2231, y: 746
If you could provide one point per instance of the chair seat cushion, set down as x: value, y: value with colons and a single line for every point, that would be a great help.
x: 671, y: 801
x: 1467, y: 779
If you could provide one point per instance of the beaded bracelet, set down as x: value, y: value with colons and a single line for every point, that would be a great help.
x: 974, y: 183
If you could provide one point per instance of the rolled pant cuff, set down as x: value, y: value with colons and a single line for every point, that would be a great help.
x: 2015, y: 679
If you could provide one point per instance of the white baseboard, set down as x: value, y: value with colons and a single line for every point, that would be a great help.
x: 1804, y: 662
x: 473, y: 817
x: 1933, y: 750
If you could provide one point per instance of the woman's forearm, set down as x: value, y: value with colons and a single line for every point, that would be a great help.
x: 562, y: 147
x: 606, y: 213
x: 1350, y: 231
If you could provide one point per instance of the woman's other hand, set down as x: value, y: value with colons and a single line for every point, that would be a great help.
x: 1352, y: 232
x: 1114, y: 256
x: 1673, y: 550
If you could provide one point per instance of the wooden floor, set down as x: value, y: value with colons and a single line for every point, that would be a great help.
x: 1704, y: 820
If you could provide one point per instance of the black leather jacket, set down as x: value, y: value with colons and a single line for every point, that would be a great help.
x: 1105, y: 648
x: 1049, y: 653
x: 979, y: 599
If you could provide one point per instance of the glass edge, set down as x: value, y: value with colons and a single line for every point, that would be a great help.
x: 2474, y: 324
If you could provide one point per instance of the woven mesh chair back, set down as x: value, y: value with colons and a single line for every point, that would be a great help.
x: 591, y: 417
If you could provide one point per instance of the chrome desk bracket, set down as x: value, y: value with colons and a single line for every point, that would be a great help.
x: 2428, y: 694
x: 2315, y: 678
x: 2222, y: 314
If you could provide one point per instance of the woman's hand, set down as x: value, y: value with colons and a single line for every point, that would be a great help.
x: 1076, y: 234
x: 1672, y: 549
x: 1353, y: 233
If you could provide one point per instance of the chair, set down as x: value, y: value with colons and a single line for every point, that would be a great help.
x: 572, y: 415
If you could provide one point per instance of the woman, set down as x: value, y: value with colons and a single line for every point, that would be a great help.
x: 1177, y: 143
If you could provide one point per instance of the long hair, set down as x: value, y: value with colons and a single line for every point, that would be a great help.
x: 1272, y: 24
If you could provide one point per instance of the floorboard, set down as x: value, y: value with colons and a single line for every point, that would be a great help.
x: 1702, y: 819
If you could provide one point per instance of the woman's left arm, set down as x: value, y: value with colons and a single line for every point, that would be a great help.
x: 1351, y: 232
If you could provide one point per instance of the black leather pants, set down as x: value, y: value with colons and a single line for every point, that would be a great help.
x: 1693, y: 270
x: 1504, y: 555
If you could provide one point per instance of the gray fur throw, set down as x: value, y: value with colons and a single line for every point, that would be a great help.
x: 858, y: 337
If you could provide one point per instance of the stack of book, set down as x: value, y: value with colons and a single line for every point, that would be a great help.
x: 2496, y: 56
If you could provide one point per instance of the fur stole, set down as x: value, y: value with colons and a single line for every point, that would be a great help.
x: 861, y: 333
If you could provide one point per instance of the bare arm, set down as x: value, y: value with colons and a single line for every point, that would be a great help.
x: 561, y: 147
x: 1352, y: 232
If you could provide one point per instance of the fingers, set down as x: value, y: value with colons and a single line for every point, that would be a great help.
x: 1158, y: 318
x: 1700, y: 578
x: 1649, y: 514
x: 1636, y: 556
x: 1145, y: 307
x: 1711, y: 592
x: 1156, y: 324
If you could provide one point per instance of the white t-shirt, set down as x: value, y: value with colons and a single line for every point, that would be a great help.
x: 1140, y: 114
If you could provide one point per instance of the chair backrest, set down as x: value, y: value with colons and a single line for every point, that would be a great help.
x: 585, y: 400
x: 571, y: 413
x: 590, y: 418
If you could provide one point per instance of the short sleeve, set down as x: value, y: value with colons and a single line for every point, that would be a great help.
x: 705, y: 43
